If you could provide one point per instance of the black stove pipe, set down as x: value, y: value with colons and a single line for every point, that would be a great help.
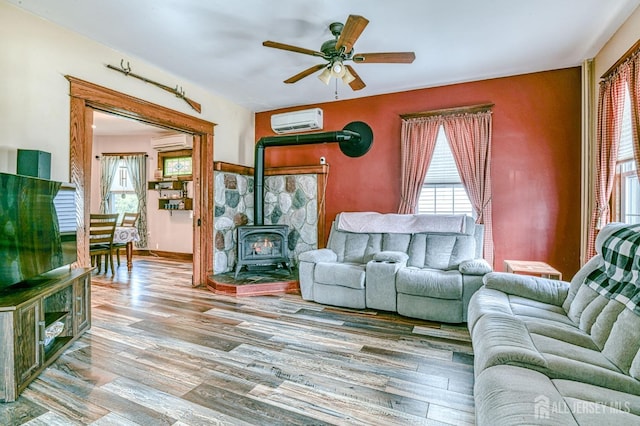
x: 360, y: 139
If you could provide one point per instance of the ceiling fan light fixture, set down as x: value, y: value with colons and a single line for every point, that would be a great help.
x: 347, y: 77
x: 338, y: 69
x: 325, y: 76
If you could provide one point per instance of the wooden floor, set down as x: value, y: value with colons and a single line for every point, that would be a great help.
x: 162, y: 353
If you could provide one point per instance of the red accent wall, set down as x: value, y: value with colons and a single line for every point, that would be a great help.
x: 535, y: 158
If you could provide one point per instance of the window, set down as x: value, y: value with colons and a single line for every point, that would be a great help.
x: 442, y: 191
x: 122, y: 197
x: 626, y: 199
x: 177, y: 166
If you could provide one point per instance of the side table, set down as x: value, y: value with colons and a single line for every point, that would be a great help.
x: 531, y: 267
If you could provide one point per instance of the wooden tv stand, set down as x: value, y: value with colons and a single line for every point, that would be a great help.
x: 27, y: 317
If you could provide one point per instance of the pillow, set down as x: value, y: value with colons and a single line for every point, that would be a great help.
x: 474, y: 267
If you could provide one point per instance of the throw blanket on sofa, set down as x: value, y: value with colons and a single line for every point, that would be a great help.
x: 619, y: 277
x: 365, y: 222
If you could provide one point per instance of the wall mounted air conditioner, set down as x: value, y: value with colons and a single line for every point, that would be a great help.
x: 172, y: 142
x: 297, y: 121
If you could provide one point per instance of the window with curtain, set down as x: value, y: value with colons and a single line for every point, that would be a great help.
x: 122, y: 195
x: 626, y: 196
x: 442, y: 191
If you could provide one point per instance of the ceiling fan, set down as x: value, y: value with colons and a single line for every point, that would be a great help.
x: 339, y: 50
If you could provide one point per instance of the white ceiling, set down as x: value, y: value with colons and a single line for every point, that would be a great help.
x: 114, y: 125
x: 217, y: 44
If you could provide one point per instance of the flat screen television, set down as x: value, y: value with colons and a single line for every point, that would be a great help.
x: 37, y: 228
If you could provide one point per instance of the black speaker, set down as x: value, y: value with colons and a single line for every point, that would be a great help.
x: 34, y: 163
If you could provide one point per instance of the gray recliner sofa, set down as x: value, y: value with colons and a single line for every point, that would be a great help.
x: 421, y: 266
x: 557, y: 353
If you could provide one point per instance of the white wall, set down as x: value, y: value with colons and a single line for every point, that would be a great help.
x: 35, y: 55
x: 170, y: 231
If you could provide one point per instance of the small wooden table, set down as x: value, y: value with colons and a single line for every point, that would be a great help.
x: 126, y: 235
x: 531, y: 267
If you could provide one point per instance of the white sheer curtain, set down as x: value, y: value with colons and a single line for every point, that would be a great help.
x: 137, y: 169
x: 108, y: 169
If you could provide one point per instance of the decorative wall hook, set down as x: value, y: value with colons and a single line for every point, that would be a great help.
x: 178, y: 91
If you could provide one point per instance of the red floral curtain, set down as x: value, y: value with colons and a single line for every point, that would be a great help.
x: 610, y: 105
x: 469, y: 136
x: 418, y: 140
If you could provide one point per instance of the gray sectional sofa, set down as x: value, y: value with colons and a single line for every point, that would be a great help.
x: 557, y: 353
x: 421, y: 266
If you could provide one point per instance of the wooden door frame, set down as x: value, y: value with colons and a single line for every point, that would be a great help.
x: 86, y: 97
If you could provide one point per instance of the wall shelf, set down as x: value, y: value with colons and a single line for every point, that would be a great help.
x: 173, y: 195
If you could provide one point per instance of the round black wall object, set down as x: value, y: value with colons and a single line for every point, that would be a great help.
x: 357, y: 147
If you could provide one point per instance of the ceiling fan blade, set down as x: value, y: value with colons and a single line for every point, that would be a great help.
x: 351, y: 31
x: 304, y: 73
x: 290, y: 48
x: 357, y: 82
x: 388, y: 58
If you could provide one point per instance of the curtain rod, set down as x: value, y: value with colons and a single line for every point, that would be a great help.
x: 121, y: 154
x: 622, y: 59
x: 471, y: 109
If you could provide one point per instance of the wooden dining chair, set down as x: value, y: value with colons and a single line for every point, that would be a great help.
x: 128, y: 219
x: 101, y: 230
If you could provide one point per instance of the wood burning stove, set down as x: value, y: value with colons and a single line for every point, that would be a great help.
x: 262, y: 246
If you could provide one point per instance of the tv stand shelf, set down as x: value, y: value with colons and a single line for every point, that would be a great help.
x: 38, y: 321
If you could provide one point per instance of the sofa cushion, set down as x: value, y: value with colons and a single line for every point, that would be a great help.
x: 561, y: 367
x: 566, y: 333
x: 532, y: 309
x: 487, y: 301
x: 604, y: 323
x: 586, y: 356
x: 396, y: 242
x: 340, y: 274
x: 583, y: 298
x: 354, y: 248
x: 591, y: 313
x: 508, y: 395
x: 624, y: 340
x: 635, y: 367
x: 578, y: 279
x: 591, y: 404
x: 503, y: 340
x: 429, y: 283
x: 440, y: 251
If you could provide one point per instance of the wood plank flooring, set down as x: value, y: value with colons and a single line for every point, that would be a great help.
x: 162, y: 353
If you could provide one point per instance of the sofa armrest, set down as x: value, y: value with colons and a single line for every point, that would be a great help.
x: 540, y: 289
x: 316, y: 256
x: 474, y: 267
x: 391, y: 257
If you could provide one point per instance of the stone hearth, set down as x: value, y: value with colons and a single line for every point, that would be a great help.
x: 255, y: 283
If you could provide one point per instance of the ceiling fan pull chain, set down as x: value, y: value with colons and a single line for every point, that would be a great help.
x: 336, y: 88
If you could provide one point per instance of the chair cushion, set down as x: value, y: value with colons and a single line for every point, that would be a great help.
x: 341, y: 274
x: 429, y: 283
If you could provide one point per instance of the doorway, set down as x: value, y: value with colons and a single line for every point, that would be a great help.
x: 87, y: 97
